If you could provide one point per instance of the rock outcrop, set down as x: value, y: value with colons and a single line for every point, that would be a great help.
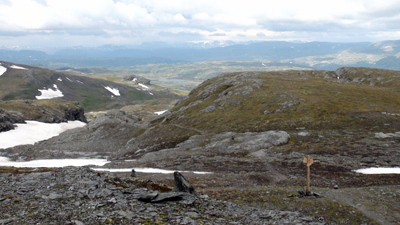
x: 47, y: 111
x: 8, y: 118
x: 138, y: 79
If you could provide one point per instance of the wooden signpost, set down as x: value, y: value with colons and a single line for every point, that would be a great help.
x: 309, y: 161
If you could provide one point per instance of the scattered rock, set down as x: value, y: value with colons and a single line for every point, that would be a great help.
x: 209, y: 109
x: 303, y: 134
x: 289, y: 103
x: 85, y: 196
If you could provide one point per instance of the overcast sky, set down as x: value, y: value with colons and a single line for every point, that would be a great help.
x: 96, y: 22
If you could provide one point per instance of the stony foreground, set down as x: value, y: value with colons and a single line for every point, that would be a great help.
x: 79, y: 195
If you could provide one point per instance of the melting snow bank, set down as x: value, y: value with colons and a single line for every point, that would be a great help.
x: 18, y: 67
x: 387, y: 135
x: 50, y: 93
x: 381, y: 170
x: 115, y: 91
x: 143, y: 86
x: 4, y: 161
x: 160, y: 112
x: 146, y: 170
x: 34, y: 131
x: 2, y: 70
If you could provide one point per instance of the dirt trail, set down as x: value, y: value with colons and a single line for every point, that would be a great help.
x: 189, y: 128
x: 366, y: 200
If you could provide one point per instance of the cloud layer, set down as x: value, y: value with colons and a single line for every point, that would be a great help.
x: 72, y: 22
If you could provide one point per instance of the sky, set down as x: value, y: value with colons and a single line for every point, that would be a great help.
x: 60, y: 23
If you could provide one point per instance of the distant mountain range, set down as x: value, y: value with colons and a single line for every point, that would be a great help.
x: 317, y: 55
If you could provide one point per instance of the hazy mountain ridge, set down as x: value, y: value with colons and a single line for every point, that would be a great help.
x: 323, y: 55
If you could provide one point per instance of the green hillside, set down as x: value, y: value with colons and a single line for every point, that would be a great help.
x: 25, y: 82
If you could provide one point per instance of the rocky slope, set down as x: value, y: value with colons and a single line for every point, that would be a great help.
x: 320, y: 101
x: 104, y: 135
x: 82, y: 196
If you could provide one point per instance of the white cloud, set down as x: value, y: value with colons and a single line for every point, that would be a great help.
x: 131, y: 21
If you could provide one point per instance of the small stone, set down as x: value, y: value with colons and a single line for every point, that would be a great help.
x: 266, y: 112
x: 133, y: 173
x: 77, y: 222
x: 335, y: 187
x: 6, y: 221
x: 113, y: 201
x: 192, y: 214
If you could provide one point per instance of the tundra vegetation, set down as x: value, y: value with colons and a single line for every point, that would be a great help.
x: 252, y: 131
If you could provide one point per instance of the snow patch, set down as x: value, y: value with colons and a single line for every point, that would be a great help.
x: 151, y: 93
x: 381, y: 170
x: 146, y: 170
x: 143, y: 86
x: 18, y: 67
x: 303, y: 134
x: 69, y: 79
x: 387, y: 135
x: 134, y: 79
x: 59, y: 79
x: 34, y: 131
x: 4, y: 161
x: 160, y: 112
x: 115, y: 91
x: 2, y: 70
x: 50, y: 93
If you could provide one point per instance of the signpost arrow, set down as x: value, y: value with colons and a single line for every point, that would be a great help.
x: 309, y: 161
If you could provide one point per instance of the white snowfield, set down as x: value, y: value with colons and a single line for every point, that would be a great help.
x: 34, y: 131
x: 160, y: 112
x: 379, y: 170
x: 4, y: 161
x: 115, y: 91
x: 18, y: 67
x: 146, y: 170
x: 50, y: 93
x: 2, y: 70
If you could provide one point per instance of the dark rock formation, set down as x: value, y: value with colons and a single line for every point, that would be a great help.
x: 182, y: 184
x: 47, y: 111
x: 138, y: 79
x: 8, y: 118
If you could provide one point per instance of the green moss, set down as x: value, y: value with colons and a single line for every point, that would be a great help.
x: 275, y: 197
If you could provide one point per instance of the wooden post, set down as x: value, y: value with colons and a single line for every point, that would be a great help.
x: 309, y: 161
